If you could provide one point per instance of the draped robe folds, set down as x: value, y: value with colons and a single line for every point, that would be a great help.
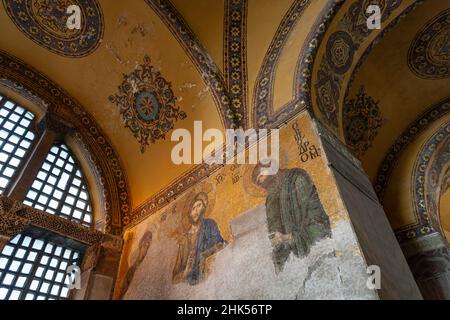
x: 294, y: 208
x: 190, y: 264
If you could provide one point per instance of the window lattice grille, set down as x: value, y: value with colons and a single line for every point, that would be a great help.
x: 15, y: 139
x: 59, y: 188
x: 35, y: 269
x: 31, y: 266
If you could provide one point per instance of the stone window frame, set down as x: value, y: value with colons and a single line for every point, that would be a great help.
x: 96, y: 246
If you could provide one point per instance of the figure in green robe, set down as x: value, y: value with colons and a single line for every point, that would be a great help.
x: 295, y: 216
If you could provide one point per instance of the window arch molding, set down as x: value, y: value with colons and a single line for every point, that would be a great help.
x: 35, y: 87
x: 64, y: 138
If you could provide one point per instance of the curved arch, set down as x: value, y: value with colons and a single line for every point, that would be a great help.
x: 92, y: 177
x: 428, y: 138
x: 434, y: 157
x: 436, y: 183
x: 27, y: 81
x: 262, y: 109
x: 264, y: 88
x: 430, y: 157
x: 332, y: 74
x: 28, y: 18
x: 231, y: 116
x: 419, y: 126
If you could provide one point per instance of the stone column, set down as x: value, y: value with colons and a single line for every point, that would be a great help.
x: 99, y: 270
x: 105, y: 272
x: 88, y: 264
x: 375, y: 236
x: 429, y: 260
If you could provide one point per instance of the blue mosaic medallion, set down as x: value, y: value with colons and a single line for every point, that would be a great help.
x: 45, y: 22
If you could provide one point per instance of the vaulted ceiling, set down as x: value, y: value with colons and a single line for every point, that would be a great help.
x: 183, y: 40
x: 406, y: 73
x: 396, y: 117
x: 249, y: 63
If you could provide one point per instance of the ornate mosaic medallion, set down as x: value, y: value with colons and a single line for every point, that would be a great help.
x: 356, y: 19
x: 45, y: 22
x: 340, y: 51
x: 362, y: 120
x: 429, y: 54
x: 147, y: 104
x: 341, y: 47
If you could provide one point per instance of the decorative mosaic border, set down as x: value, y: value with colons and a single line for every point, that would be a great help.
x: 79, y: 45
x: 265, y: 82
x: 231, y: 117
x: 424, y: 225
x: 377, y: 40
x: 328, y: 77
x: 386, y: 168
x: 349, y: 35
x: 433, y: 114
x: 302, y: 91
x: 235, y: 55
x: 421, y: 60
x: 235, y: 70
x: 172, y: 191
x: 305, y: 64
x: 437, y: 179
x: 24, y: 79
x: 15, y: 213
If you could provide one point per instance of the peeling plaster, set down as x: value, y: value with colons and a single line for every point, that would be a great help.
x: 122, y: 21
x: 112, y: 48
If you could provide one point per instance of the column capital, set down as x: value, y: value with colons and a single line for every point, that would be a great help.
x: 422, y: 244
x: 10, y: 223
x: 429, y: 259
x: 52, y: 122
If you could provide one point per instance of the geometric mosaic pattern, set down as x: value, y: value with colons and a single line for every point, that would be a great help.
x: 147, y: 104
x: 437, y: 179
x: 235, y: 54
x: 232, y: 115
x: 422, y: 123
x: 340, y: 49
x: 427, y: 161
x: 15, y: 139
x: 45, y: 22
x: 263, y: 95
x: 429, y: 54
x: 60, y: 189
x: 423, y: 163
x: 362, y: 120
x: 35, y: 269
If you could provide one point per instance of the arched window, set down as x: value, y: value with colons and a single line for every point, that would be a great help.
x: 59, y: 188
x: 15, y: 139
x: 34, y: 264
